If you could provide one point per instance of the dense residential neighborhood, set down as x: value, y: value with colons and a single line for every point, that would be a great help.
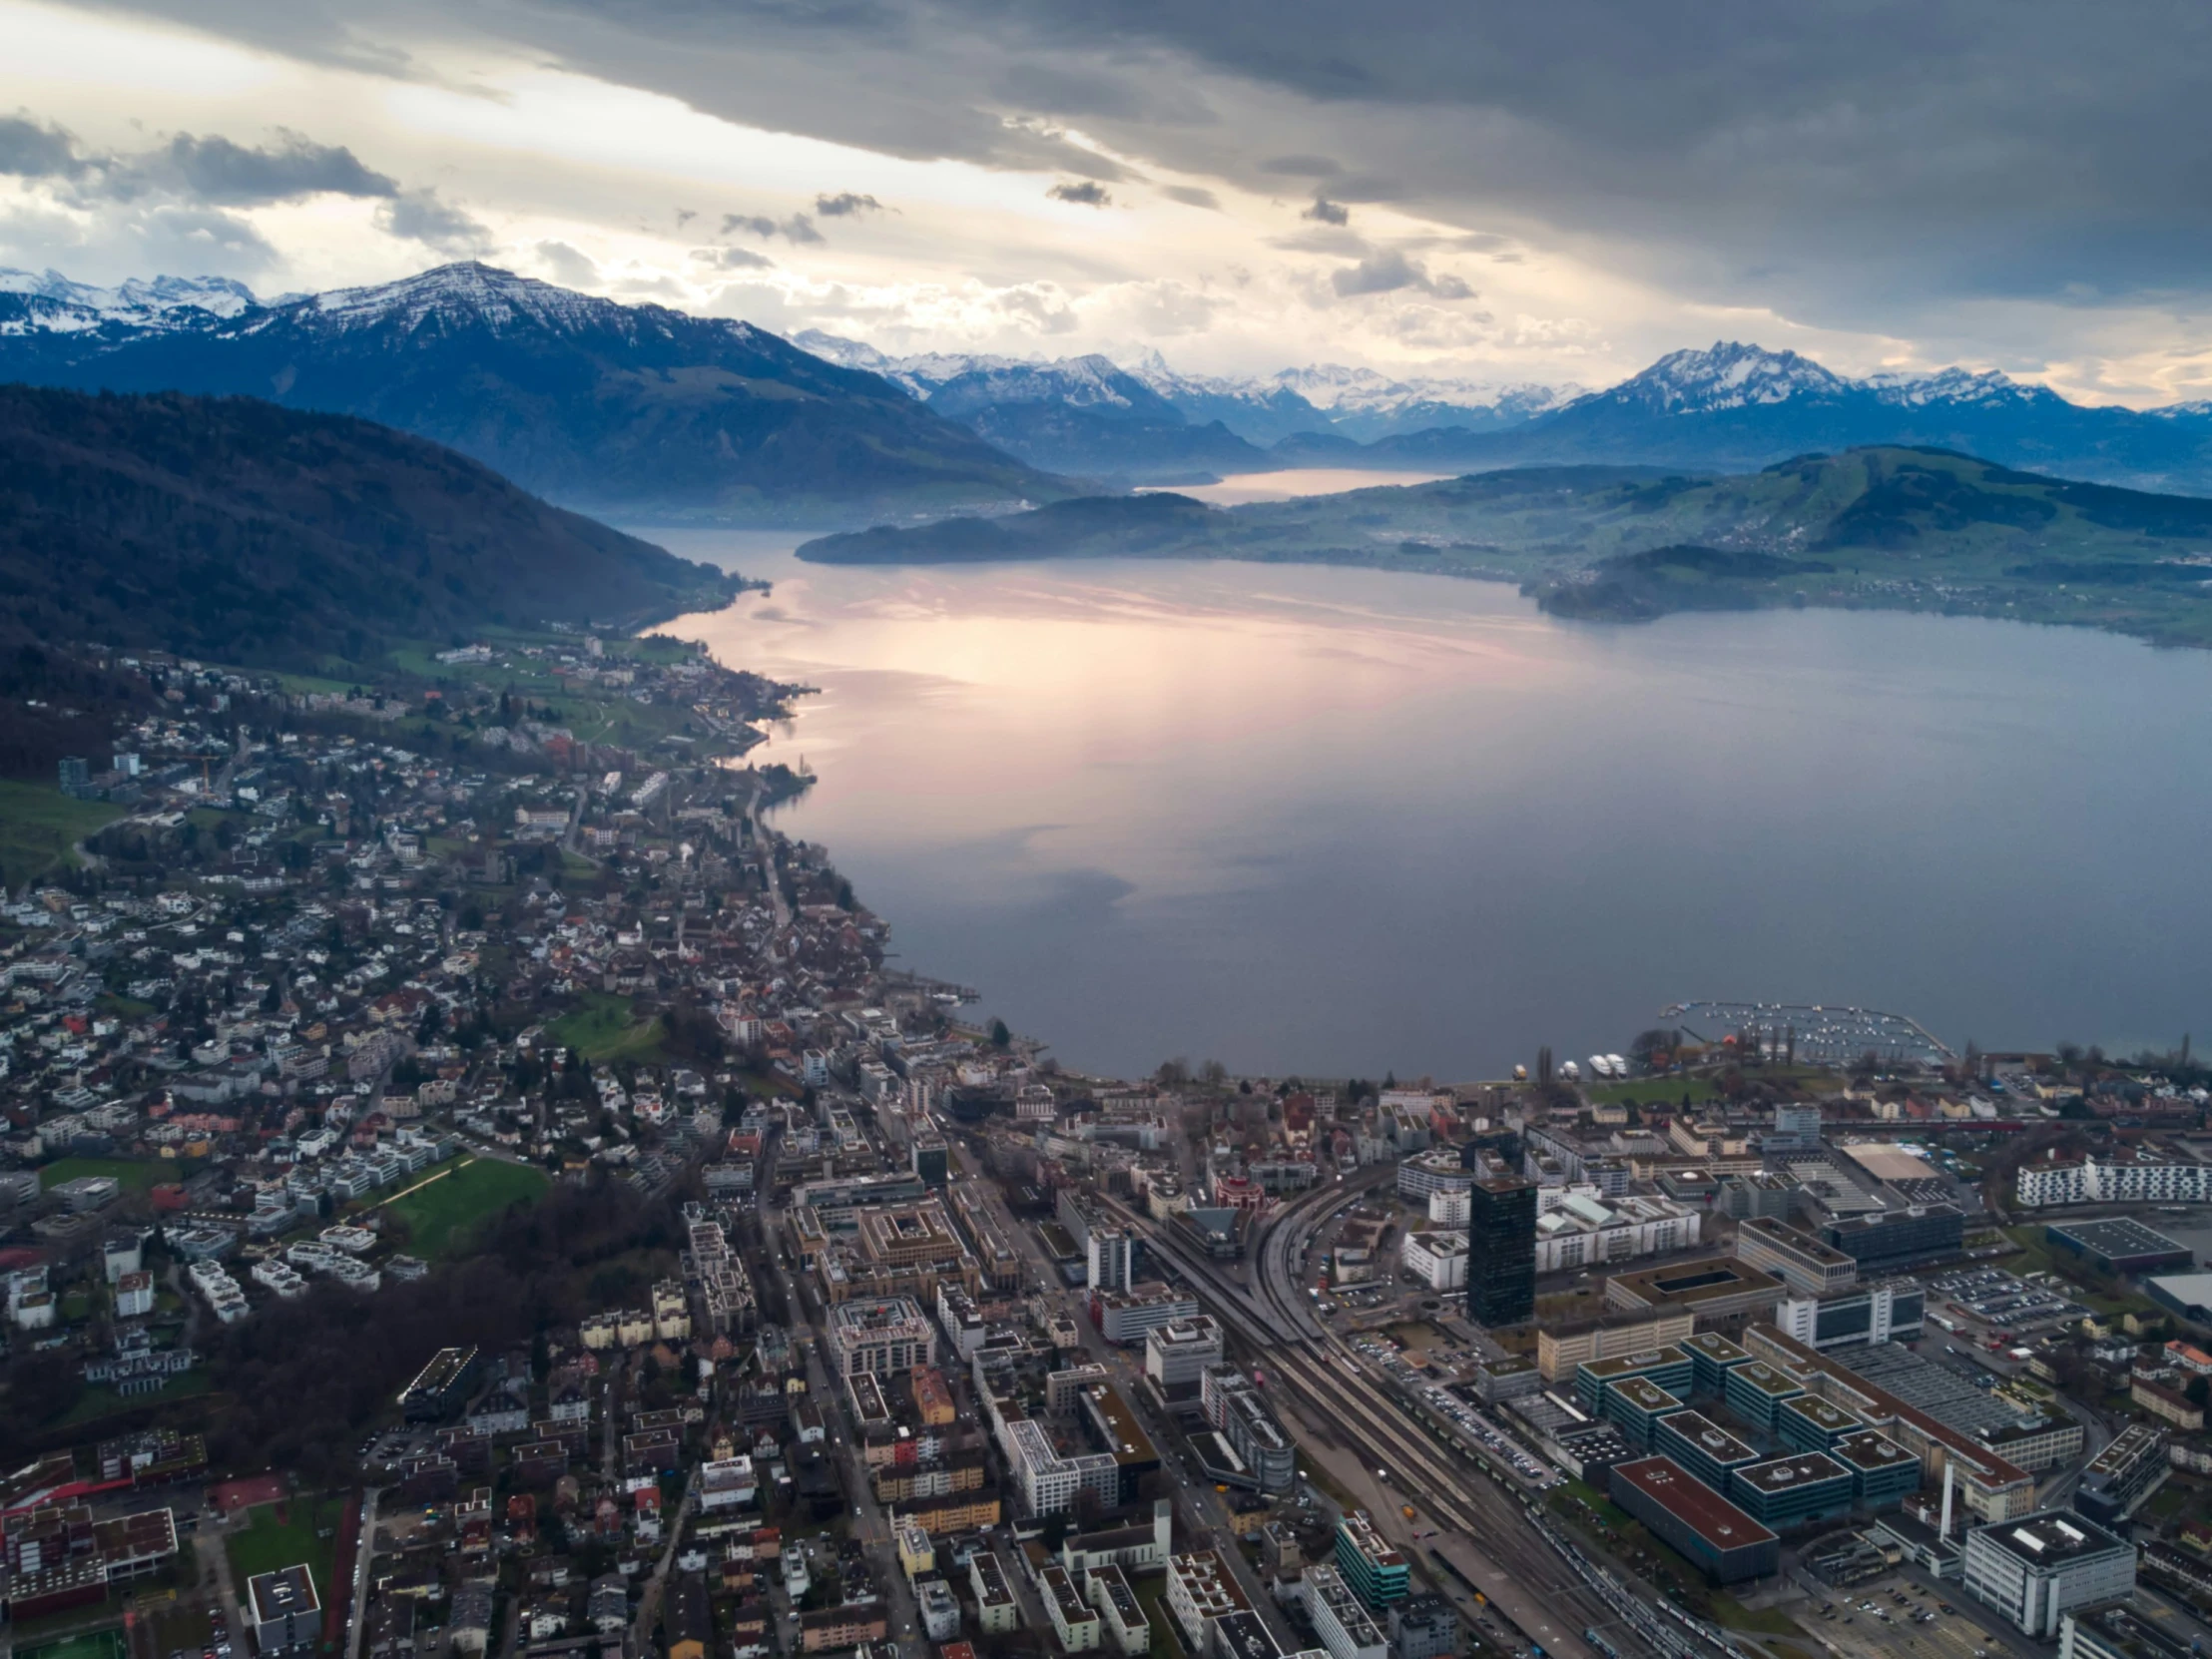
x: 473, y: 1184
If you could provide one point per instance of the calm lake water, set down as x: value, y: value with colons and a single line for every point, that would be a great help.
x: 1342, y: 822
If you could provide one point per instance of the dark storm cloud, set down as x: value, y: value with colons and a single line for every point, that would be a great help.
x: 37, y: 150
x: 846, y: 204
x: 1387, y: 270
x: 231, y: 175
x: 419, y: 216
x: 1845, y: 158
x: 1326, y: 212
x: 213, y: 169
x: 1089, y: 194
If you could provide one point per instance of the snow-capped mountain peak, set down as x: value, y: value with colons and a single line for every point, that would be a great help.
x: 1988, y: 388
x: 1727, y: 375
x: 463, y: 293
x: 51, y: 302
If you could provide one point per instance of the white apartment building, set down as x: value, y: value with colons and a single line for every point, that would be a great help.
x: 1200, y: 1589
x: 2122, y: 1181
x: 1346, y: 1629
x: 1577, y: 1228
x: 1451, y: 1208
x: 1438, y: 1259
x: 880, y: 1335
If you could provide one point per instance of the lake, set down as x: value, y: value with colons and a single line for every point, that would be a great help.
x: 1346, y: 822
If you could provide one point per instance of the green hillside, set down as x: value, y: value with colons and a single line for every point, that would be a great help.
x: 1896, y: 528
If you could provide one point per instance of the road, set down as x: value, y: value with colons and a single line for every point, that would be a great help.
x: 649, y: 1602
x: 869, y: 1525
x: 365, y: 1554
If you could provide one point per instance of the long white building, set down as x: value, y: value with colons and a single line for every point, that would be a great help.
x: 2091, y: 1179
x: 1577, y: 1228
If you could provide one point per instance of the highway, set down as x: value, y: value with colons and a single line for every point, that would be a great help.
x: 1492, y: 1536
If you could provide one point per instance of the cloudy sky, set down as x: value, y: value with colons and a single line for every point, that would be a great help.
x: 1552, y: 192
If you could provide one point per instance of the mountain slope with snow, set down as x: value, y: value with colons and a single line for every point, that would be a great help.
x: 629, y: 410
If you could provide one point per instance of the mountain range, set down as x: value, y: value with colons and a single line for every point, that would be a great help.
x: 646, y: 412
x: 635, y: 411
x: 237, y: 530
x: 1722, y: 408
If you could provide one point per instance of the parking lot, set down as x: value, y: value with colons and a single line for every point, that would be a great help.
x: 2004, y: 1301
x: 1896, y: 1615
x: 1485, y: 1434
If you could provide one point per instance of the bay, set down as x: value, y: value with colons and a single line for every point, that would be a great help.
x: 1337, y: 822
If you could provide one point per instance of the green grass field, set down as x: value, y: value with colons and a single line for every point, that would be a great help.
x: 444, y: 1214
x: 603, y: 1026
x: 39, y: 826
x: 101, y: 1399
x: 265, y: 1543
x: 135, y: 1174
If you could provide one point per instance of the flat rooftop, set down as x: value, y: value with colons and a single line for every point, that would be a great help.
x: 1646, y: 1394
x: 1711, y: 1438
x: 1821, y: 1414
x: 1688, y: 1284
x: 1888, y: 1161
x: 2118, y: 1238
x: 1628, y: 1364
x: 1780, y: 1474
x: 1785, y: 1237
x: 2048, y: 1539
x: 1711, y: 1516
x: 1715, y: 1346
x: 1869, y: 1451
x: 1763, y: 1377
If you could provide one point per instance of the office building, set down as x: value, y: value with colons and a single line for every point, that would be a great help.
x: 1501, y: 1252
x: 1177, y: 1355
x: 1670, y: 1368
x: 1889, y: 1241
x: 1423, y: 1627
x: 1891, y: 1312
x: 2031, y: 1571
x: 1702, y: 1446
x: 1371, y: 1564
x: 1883, y: 1473
x: 1110, y: 1259
x: 2124, y: 1473
x: 1797, y: 1128
x: 1789, y: 1492
x: 284, y: 1610
x: 1702, y: 1526
x: 1802, y: 1263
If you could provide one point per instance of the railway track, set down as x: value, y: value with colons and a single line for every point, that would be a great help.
x: 1318, y: 1369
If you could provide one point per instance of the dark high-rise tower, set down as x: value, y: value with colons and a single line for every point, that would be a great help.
x: 1501, y: 1252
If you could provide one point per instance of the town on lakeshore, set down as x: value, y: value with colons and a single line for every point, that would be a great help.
x: 472, y: 1186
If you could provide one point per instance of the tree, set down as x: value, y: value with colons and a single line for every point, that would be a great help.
x: 1173, y: 1074
x: 1001, y: 1036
